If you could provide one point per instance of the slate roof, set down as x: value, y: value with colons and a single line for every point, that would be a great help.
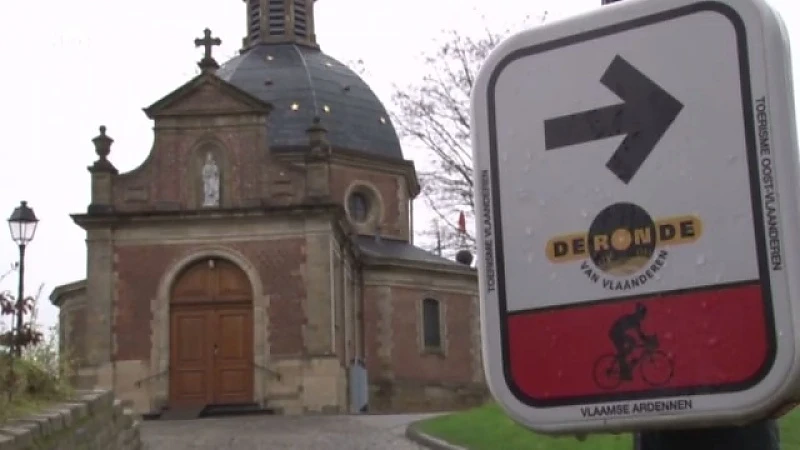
x: 396, y: 249
x: 283, y: 74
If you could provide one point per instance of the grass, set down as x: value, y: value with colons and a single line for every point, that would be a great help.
x: 482, y: 428
x: 40, y: 379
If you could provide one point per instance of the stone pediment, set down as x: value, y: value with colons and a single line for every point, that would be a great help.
x: 205, y: 95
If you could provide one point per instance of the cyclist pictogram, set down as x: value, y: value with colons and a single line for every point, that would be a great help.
x: 634, y: 350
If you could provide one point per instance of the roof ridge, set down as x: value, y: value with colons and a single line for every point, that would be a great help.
x: 308, y: 76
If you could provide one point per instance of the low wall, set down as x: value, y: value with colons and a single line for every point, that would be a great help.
x: 93, y: 420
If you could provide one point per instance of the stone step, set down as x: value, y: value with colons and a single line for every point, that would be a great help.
x: 187, y: 413
x: 235, y: 410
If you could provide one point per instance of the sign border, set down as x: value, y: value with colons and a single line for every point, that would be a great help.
x: 755, y: 193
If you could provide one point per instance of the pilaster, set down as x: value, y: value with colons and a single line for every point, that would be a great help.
x: 318, y: 334
x: 99, y: 297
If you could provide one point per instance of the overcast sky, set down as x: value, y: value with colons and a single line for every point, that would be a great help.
x: 72, y: 66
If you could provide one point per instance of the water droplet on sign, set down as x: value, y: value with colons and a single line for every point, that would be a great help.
x: 701, y: 259
x: 529, y: 230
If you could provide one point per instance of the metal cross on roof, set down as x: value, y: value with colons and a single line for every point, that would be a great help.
x: 208, y: 42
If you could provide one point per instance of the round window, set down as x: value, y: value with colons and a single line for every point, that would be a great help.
x: 358, y: 204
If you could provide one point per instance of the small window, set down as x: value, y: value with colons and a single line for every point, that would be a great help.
x: 358, y: 204
x: 432, y: 333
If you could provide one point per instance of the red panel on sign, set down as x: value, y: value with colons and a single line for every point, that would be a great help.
x: 702, y: 339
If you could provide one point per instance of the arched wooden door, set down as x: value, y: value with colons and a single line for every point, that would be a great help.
x: 211, y: 335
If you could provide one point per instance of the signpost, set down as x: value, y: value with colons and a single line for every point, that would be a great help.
x: 637, y: 173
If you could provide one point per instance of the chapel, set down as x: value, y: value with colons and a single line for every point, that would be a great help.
x: 262, y: 256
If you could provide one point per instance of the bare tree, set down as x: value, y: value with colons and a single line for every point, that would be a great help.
x: 432, y: 114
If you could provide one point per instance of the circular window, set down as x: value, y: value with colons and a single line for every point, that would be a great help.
x: 358, y: 206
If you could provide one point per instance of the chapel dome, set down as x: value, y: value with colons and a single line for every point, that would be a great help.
x: 302, y: 82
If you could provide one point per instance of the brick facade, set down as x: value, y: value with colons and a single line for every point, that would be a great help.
x: 406, y: 376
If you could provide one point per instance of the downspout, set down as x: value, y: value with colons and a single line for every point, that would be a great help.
x: 333, y: 298
x: 411, y: 221
x: 345, y: 292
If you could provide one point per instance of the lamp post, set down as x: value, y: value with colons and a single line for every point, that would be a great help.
x: 22, y: 225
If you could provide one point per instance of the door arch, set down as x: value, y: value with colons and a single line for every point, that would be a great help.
x: 211, y: 335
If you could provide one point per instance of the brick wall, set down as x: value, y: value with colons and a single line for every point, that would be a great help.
x: 409, y: 361
x: 91, y: 421
x: 395, y: 221
x: 140, y: 268
x: 377, y: 332
x: 72, y: 329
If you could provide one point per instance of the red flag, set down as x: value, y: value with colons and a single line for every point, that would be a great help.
x: 462, y: 223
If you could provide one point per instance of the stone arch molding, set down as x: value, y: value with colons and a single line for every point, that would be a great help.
x: 160, y: 334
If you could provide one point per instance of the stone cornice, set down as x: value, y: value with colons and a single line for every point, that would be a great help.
x: 57, y: 296
x: 114, y: 218
x: 375, y: 263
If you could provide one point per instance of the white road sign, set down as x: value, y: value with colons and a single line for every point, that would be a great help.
x: 637, y: 186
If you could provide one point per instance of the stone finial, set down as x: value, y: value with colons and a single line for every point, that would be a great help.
x: 102, y: 146
x: 102, y: 143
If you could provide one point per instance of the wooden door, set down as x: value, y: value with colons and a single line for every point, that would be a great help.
x: 190, y: 358
x: 233, y: 353
x: 211, y: 338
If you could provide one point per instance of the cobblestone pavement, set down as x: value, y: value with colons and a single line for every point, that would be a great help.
x: 378, y: 432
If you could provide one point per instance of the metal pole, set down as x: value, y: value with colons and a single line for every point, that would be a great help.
x: 20, y: 300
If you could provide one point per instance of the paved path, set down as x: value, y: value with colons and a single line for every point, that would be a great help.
x: 378, y: 432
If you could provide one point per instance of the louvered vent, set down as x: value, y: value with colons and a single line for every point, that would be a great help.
x: 300, y: 18
x: 277, y: 17
x: 254, y: 19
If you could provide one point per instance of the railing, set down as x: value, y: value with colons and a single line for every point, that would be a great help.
x: 150, y: 378
x: 274, y: 374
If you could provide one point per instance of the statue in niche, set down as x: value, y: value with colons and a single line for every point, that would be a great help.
x: 210, y: 181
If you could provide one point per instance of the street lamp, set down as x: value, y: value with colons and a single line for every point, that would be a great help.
x: 22, y: 224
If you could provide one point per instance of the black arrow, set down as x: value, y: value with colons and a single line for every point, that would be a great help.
x: 647, y: 112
